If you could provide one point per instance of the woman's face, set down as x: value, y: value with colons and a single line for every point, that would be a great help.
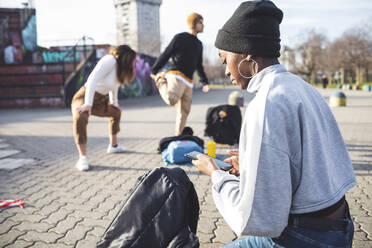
x: 232, y: 60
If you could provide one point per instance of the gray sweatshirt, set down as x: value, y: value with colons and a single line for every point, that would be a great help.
x: 292, y: 157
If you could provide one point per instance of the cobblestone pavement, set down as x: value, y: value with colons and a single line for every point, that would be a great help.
x: 68, y: 208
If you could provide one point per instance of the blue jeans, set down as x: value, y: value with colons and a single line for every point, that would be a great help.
x: 296, y: 237
x: 253, y: 241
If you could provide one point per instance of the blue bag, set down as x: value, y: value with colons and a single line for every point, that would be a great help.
x: 175, y: 152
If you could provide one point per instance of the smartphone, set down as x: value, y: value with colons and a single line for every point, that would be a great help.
x: 222, y: 165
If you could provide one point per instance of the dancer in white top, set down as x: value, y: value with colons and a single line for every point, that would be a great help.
x: 111, y: 72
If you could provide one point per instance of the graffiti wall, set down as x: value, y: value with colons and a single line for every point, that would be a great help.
x: 55, y: 57
x: 19, y: 38
x: 57, y: 54
x: 29, y: 35
x: 142, y: 84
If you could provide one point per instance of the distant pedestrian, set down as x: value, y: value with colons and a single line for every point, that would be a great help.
x: 175, y: 86
x: 10, y: 53
x: 111, y: 72
x: 324, y: 81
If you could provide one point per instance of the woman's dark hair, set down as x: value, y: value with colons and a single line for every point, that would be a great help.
x: 124, y: 56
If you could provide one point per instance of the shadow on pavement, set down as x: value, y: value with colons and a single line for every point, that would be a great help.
x: 361, y: 165
x: 359, y: 148
x: 136, y: 152
x: 94, y: 168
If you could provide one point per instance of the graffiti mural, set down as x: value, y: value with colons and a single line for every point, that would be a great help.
x: 29, y: 37
x: 55, y: 56
x: 142, y: 84
x: 19, y: 39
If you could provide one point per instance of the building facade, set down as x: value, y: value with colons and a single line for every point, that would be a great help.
x: 138, y: 25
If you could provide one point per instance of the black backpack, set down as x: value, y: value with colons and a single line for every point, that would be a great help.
x: 162, y: 211
x: 223, y: 124
x: 187, y: 134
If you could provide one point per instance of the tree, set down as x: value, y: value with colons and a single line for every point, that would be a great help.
x: 310, y: 55
x: 351, y: 54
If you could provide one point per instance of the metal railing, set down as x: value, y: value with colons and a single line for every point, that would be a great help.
x: 3, y: 35
x: 24, y: 17
x: 74, y: 53
x: 80, y: 71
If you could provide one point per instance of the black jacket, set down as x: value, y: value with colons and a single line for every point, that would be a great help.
x: 161, y: 211
x: 164, y: 142
x: 186, y: 52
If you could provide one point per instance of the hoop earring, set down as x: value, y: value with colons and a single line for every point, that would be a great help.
x: 256, y: 67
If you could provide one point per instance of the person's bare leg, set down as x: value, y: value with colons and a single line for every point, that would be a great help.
x: 114, y: 147
x: 82, y: 148
x: 114, y: 114
x: 113, y: 139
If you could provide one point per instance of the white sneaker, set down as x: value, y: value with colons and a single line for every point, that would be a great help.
x: 82, y: 164
x: 117, y: 149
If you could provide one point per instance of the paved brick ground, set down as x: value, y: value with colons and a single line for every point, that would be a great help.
x: 68, y: 208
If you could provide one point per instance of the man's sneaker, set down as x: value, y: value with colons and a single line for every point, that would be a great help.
x: 82, y: 164
x: 116, y: 149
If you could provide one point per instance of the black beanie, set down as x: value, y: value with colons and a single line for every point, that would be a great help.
x: 252, y: 29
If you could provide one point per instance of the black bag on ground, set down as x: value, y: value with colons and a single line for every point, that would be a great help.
x: 187, y: 134
x: 223, y: 123
x: 162, y: 210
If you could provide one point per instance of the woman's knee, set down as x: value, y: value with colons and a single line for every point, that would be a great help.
x: 81, y: 118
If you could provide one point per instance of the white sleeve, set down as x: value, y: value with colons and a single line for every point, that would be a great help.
x: 105, y: 65
x: 113, y: 96
x: 271, y: 197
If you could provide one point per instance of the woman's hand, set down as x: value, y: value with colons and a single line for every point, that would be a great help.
x: 85, y: 108
x: 153, y: 76
x: 205, y: 164
x: 234, y: 161
x: 205, y: 88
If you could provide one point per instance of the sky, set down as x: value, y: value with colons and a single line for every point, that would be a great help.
x: 64, y: 21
